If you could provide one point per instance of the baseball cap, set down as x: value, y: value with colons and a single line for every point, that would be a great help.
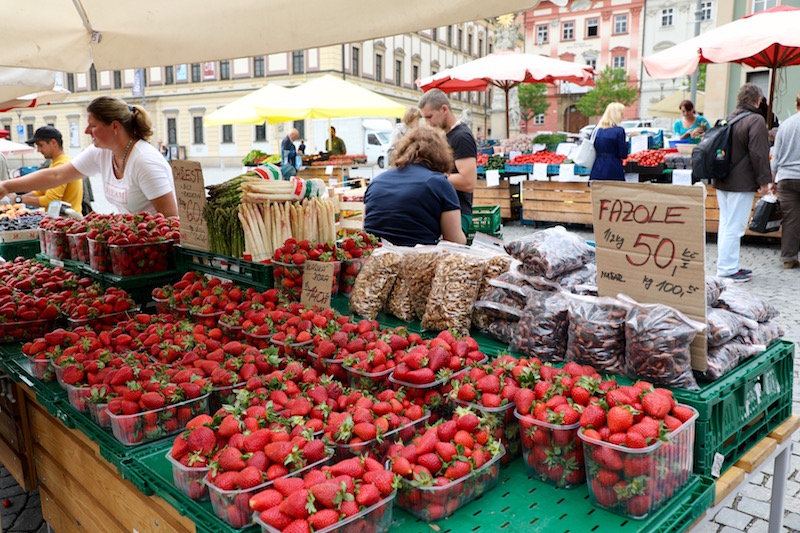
x: 44, y: 133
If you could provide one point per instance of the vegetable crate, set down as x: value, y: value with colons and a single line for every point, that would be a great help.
x: 505, y: 195
x: 552, y: 201
x: 741, y: 408
x: 242, y: 271
x: 26, y: 249
x: 73, y: 266
x: 486, y: 219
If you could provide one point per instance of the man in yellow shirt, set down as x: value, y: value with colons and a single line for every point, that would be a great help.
x: 49, y: 143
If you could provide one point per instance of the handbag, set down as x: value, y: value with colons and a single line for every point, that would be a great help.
x: 767, y: 215
x: 586, y: 153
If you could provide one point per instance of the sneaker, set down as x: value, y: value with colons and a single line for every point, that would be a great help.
x: 739, y: 277
x: 745, y: 271
x: 790, y: 264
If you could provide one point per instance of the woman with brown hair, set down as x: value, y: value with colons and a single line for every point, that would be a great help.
x: 136, y: 178
x: 413, y: 203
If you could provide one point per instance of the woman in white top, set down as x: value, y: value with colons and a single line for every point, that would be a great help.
x: 136, y: 178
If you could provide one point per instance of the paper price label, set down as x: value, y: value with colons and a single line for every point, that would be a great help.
x: 54, y: 208
x: 492, y: 178
x: 317, y: 284
x: 190, y: 192
x: 329, y: 169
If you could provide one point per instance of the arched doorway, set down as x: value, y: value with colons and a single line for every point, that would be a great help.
x: 574, y: 120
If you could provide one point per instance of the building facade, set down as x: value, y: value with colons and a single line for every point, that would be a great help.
x: 600, y: 34
x: 178, y: 97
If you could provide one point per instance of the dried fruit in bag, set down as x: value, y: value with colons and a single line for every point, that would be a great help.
x: 714, y: 287
x: 585, y: 275
x: 542, y: 330
x: 657, y: 345
x: 723, y: 359
x: 596, y: 333
x: 399, y: 303
x: 550, y: 252
x: 496, y: 266
x: 453, y: 291
x: 375, y: 281
x: 747, y: 304
x: 762, y: 333
x: 419, y: 267
x: 724, y: 325
x: 502, y: 314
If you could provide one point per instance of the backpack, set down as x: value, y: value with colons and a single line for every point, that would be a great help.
x: 712, y: 157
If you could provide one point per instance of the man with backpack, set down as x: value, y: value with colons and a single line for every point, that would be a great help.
x: 749, y: 172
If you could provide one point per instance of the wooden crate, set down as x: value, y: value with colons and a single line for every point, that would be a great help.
x: 15, y: 437
x: 712, y: 215
x: 505, y: 195
x: 552, y: 201
x: 351, y: 212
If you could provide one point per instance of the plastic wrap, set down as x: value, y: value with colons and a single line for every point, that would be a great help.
x: 723, y: 359
x: 657, y: 340
x: 453, y: 291
x: 714, y: 287
x: 399, y: 303
x: 375, y: 281
x: 550, y: 252
x: 418, y: 269
x: 746, y: 304
x: 596, y: 332
x: 586, y: 275
x: 724, y: 325
x: 501, y: 317
x: 542, y: 330
x: 495, y: 266
x: 761, y: 333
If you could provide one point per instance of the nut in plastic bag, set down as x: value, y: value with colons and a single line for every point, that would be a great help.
x: 762, y: 333
x: 550, y: 252
x: 419, y: 266
x: 494, y: 267
x: 585, y: 275
x: 399, y: 303
x: 714, y: 287
x: 596, y: 333
x: 453, y: 291
x: 542, y: 330
x: 375, y: 281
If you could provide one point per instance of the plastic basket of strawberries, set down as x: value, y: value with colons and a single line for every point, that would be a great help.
x: 190, y: 455
x: 356, y: 251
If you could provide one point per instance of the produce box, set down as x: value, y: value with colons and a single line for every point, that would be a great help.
x: 22, y: 248
x: 138, y: 259
x: 552, y: 453
x: 153, y: 425
x: 18, y: 235
x: 486, y: 219
x: 241, y: 271
x: 376, y: 519
x: 741, y: 408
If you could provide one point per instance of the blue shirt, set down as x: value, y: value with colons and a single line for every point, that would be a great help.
x: 679, y: 130
x: 405, y: 205
x: 611, y: 148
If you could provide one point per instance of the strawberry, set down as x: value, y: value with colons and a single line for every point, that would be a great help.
x: 325, y: 494
x: 365, y: 431
x: 489, y: 384
x: 261, y: 501
x: 382, y: 479
x: 152, y: 400
x: 202, y: 439
x: 278, y: 451
x: 447, y: 430
x: 276, y: 518
x: 314, y: 451
x: 349, y: 467
x: 634, y: 439
x: 524, y: 399
x: 322, y: 519
x: 295, y: 504
x: 656, y: 404
x: 457, y: 470
x: 430, y: 461
x: 368, y: 495
x: 402, y: 466
x: 619, y: 419
x: 299, y: 525
x: 639, y: 505
x: 288, y: 485
x: 593, y: 416
x: 250, y: 477
x: 682, y: 413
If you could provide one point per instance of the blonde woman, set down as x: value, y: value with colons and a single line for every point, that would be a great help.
x: 610, y: 145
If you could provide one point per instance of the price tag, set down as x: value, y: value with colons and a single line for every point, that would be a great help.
x: 329, y: 169
x: 492, y: 178
x: 638, y: 143
x: 317, y: 284
x: 716, y: 466
x: 540, y: 172
x: 566, y: 172
x: 539, y: 148
x: 514, y: 153
x: 631, y: 178
x: 516, y: 180
x: 682, y: 176
x: 54, y: 208
x: 190, y: 191
x: 650, y: 245
x: 564, y: 148
x: 332, y: 182
x: 57, y: 262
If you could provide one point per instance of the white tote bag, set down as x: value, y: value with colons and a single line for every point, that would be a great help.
x: 586, y: 154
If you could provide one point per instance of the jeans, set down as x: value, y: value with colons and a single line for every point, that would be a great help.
x: 789, y: 194
x: 734, y: 214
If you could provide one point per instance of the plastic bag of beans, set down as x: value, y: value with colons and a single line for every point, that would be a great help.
x: 550, y: 252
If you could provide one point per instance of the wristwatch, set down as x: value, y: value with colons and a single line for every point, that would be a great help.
x: 18, y: 200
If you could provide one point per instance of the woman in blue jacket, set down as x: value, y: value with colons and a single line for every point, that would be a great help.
x: 610, y: 145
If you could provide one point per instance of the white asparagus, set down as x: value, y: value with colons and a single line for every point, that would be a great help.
x: 255, y: 233
x: 263, y: 210
x: 255, y: 211
x: 243, y: 220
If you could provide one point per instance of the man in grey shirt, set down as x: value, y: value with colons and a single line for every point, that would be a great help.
x: 786, y: 173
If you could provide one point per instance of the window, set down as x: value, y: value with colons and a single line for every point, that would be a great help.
x: 197, y: 125
x: 460, y: 42
x: 763, y: 5
x: 261, y: 133
x: 449, y: 36
x: 398, y: 72
x: 197, y: 76
x: 480, y: 47
x: 258, y: 67
x: 71, y: 82
x: 541, y: 34
x: 29, y: 130
x: 300, y: 126
x: 435, y: 34
x: 227, y: 134
x: 225, y: 70
x: 172, y: 131
x: 592, y: 27
x: 620, y: 24
x: 666, y: 17
x: 619, y: 62
x: 378, y: 67
x: 92, y: 79
x: 705, y: 10
x: 169, y: 75
x: 355, y: 67
x: 568, y: 31
x: 298, y: 62
x: 118, y: 79
x: 415, y: 74
x: 372, y: 140
x: 592, y: 63
x: 538, y: 120
x: 469, y: 43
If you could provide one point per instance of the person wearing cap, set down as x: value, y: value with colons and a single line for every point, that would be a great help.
x: 135, y: 176
x: 50, y: 144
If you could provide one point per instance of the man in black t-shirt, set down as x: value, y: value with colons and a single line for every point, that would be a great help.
x: 435, y: 108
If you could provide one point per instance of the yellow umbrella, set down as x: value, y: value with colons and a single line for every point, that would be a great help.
x: 243, y: 110
x: 330, y: 97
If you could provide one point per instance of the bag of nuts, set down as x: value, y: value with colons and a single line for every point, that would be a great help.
x: 722, y: 359
x: 375, y: 281
x: 399, y: 303
x: 502, y: 311
x: 586, y: 275
x: 657, y: 340
x: 550, y: 252
x: 723, y: 326
x: 455, y: 286
x: 494, y: 267
x: 596, y: 332
x: 714, y: 287
x: 542, y: 330
x: 419, y: 266
x: 746, y: 304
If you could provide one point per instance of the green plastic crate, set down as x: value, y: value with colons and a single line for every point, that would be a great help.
x: 73, y: 266
x: 741, y: 408
x: 486, y: 219
x: 26, y: 249
x: 140, y: 288
x: 242, y: 271
x: 520, y: 503
x: 50, y: 395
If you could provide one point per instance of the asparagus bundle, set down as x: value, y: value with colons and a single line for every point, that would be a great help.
x: 225, y: 232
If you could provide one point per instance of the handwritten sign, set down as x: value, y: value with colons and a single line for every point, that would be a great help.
x: 492, y: 178
x: 191, y: 195
x: 650, y: 242
x: 638, y: 143
x: 682, y: 176
x: 540, y: 172
x: 317, y: 283
x: 328, y: 169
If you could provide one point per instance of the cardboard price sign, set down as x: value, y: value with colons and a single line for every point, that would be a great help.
x: 317, y: 283
x: 650, y: 241
x: 190, y: 191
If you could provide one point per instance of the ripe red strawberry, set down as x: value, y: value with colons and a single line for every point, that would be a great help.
x: 634, y: 439
x: 489, y: 384
x: 607, y: 458
x: 298, y: 526
x: 348, y: 508
x: 322, y: 519
x: 593, y: 416
x: 202, y: 439
x: 402, y: 466
x: 325, y: 494
x: 682, y: 413
x: 637, y: 466
x: 467, y: 421
x: 152, y: 400
x: 656, y: 404
x: 447, y: 430
x: 261, y: 501
x: 314, y: 451
x: 457, y: 470
x: 349, y: 467
x: 466, y: 393
x: 365, y: 431
x: 382, y: 479
x: 278, y: 451
x: 288, y: 485
x: 619, y: 419
x: 639, y: 505
x: 295, y: 504
x: 430, y: 461
x: 446, y: 451
x: 524, y: 399
x: 250, y: 477
x: 368, y: 495
x: 541, y: 389
x: 230, y: 460
x: 276, y: 518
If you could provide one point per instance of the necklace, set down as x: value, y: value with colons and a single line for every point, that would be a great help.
x: 119, y: 169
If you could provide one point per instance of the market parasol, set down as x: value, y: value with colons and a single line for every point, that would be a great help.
x: 765, y: 39
x: 10, y: 147
x: 669, y: 106
x: 56, y: 94
x: 15, y: 82
x: 506, y: 70
x: 243, y: 110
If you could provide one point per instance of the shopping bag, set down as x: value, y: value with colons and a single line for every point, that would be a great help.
x: 766, y: 215
x: 586, y: 154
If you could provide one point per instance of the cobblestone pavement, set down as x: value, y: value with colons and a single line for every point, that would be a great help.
x: 749, y: 511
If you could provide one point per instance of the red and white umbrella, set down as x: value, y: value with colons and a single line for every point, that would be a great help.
x: 506, y: 70
x: 56, y: 94
x: 765, y: 39
x: 10, y: 147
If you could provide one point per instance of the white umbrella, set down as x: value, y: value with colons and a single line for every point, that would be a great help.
x: 10, y: 147
x: 16, y: 82
x: 56, y: 94
x: 70, y: 36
